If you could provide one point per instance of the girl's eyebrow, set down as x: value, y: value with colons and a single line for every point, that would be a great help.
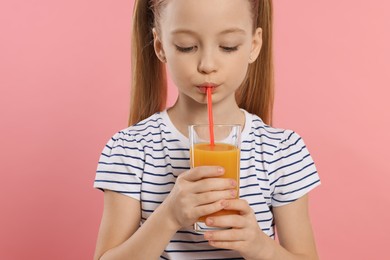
x: 233, y: 30
x: 226, y: 31
x: 183, y: 31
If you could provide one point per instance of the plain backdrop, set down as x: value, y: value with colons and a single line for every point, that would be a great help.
x: 64, y: 90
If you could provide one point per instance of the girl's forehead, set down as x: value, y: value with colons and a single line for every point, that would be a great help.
x: 205, y: 14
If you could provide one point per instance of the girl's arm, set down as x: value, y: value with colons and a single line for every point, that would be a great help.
x: 294, y: 231
x: 292, y: 225
x: 120, y: 221
x: 196, y: 193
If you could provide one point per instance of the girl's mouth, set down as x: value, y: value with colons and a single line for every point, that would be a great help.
x: 203, y: 88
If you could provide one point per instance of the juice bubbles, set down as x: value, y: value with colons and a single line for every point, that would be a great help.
x: 220, y: 154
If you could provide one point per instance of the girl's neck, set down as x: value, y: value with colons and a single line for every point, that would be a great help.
x: 187, y: 112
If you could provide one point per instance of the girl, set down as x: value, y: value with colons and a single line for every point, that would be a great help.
x: 152, y: 197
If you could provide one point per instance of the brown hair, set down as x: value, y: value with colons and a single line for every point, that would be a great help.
x: 256, y: 93
x: 149, y: 80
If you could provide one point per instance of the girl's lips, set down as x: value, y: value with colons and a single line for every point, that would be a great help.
x: 203, y: 88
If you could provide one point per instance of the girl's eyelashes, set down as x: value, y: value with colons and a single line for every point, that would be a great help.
x: 229, y: 49
x: 193, y: 48
x: 185, y: 49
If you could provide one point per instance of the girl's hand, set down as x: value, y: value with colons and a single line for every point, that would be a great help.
x: 198, y: 192
x: 245, y: 235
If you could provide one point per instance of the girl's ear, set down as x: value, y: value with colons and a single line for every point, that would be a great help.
x: 257, y: 41
x: 158, y: 47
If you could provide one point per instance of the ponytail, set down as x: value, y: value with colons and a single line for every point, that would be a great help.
x: 149, y: 82
x: 256, y: 93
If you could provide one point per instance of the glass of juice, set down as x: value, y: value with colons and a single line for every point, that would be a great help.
x: 225, y: 152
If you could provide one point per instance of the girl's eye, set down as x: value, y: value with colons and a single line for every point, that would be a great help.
x: 185, y: 49
x: 229, y: 49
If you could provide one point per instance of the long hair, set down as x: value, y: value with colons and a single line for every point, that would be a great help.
x: 149, y: 82
x: 256, y: 93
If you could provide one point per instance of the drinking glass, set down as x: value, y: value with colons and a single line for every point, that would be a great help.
x: 225, y: 152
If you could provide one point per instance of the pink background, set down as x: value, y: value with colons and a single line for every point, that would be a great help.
x: 64, y: 78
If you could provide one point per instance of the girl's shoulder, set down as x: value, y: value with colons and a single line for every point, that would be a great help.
x: 153, y: 121
x: 273, y: 139
x: 133, y: 139
x: 147, y: 127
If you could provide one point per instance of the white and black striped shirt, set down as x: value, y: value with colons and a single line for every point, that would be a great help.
x: 144, y: 160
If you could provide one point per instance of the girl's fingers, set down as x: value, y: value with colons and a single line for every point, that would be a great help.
x: 232, y: 245
x: 240, y: 205
x: 212, y: 196
x: 208, y: 209
x: 227, y: 221
x: 202, y: 172
x: 225, y: 235
x: 213, y: 184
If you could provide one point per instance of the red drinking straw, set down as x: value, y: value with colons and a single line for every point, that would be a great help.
x: 210, y: 112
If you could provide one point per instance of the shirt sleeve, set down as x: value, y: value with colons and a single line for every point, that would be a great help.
x: 292, y: 172
x: 121, y: 166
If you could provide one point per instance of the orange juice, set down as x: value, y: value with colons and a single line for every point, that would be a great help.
x: 224, y: 155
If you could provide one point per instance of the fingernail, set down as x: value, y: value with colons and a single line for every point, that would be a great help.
x: 233, y: 193
x: 233, y: 183
x: 221, y: 170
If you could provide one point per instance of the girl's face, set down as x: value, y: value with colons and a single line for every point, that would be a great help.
x: 207, y: 41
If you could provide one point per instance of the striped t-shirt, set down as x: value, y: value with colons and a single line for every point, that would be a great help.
x: 144, y: 160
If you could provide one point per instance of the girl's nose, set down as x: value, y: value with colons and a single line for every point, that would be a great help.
x: 207, y: 63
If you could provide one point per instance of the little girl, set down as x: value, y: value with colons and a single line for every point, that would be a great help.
x: 151, y: 196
